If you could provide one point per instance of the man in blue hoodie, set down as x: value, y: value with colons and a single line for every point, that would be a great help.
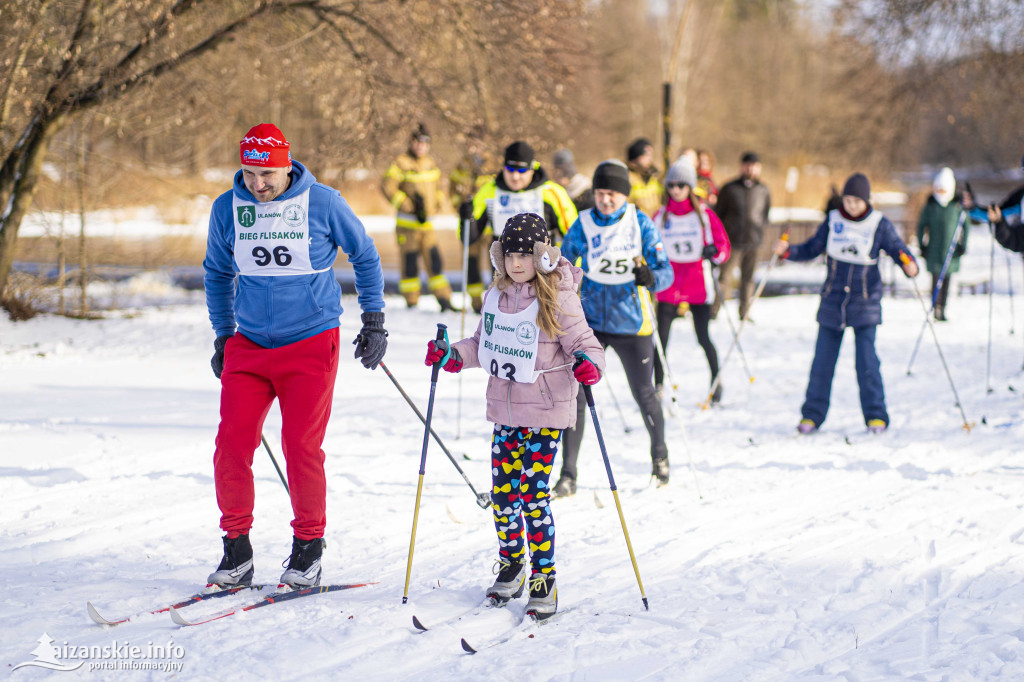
x: 274, y: 304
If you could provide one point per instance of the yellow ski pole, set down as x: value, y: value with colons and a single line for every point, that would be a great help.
x: 442, y: 332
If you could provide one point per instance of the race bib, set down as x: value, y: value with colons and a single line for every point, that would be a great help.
x: 509, y: 342
x: 612, y: 250
x: 507, y: 204
x: 684, y: 237
x: 850, y: 241
x: 272, y: 239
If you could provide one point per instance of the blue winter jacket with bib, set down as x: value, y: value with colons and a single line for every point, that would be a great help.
x: 616, y: 308
x: 276, y: 311
x: 852, y: 294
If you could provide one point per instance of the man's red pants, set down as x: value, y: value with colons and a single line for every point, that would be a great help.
x: 301, y: 376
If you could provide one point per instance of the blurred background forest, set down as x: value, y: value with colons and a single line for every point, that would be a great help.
x: 137, y: 102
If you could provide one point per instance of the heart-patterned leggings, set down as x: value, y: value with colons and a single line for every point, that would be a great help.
x: 521, y: 460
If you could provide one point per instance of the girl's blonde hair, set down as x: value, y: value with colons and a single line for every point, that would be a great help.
x: 546, y: 287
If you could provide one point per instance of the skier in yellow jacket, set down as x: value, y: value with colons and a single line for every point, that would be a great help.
x: 413, y: 186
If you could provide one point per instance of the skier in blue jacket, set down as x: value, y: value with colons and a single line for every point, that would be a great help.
x: 851, y: 236
x: 624, y: 262
x: 274, y: 303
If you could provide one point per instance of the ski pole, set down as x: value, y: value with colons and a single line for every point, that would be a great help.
x: 279, y: 474
x: 732, y: 327
x: 743, y: 321
x: 622, y: 415
x: 967, y: 426
x: 718, y: 287
x: 938, y: 283
x: 611, y: 480
x: 442, y: 332
x: 649, y: 307
x: 1009, y: 284
x: 482, y: 499
x: 991, y: 288
x: 462, y: 323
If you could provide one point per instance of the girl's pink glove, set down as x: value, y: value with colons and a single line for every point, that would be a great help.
x: 586, y: 372
x: 436, y: 350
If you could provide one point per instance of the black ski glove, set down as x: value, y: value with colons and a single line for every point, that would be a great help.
x: 372, y: 341
x: 217, y: 361
x: 643, y: 276
x: 959, y: 250
x: 466, y: 215
x: 419, y: 207
x: 709, y: 252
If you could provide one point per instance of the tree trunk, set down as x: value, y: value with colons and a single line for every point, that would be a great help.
x: 18, y: 179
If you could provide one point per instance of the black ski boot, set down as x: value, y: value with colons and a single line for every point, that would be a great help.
x: 303, y: 567
x: 659, y: 470
x: 235, y: 568
x: 566, y: 487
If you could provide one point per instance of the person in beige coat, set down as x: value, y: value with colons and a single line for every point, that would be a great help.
x: 531, y: 329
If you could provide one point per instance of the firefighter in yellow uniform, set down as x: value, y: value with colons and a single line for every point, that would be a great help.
x: 474, y: 170
x: 522, y: 186
x: 413, y: 186
x: 645, y: 185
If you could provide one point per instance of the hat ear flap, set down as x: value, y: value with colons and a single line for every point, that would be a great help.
x: 545, y: 257
x: 498, y: 257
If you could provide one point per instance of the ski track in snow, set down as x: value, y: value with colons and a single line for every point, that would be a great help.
x: 836, y: 556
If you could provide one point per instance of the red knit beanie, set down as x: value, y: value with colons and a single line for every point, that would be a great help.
x: 265, y: 145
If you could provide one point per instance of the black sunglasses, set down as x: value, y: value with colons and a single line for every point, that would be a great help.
x: 675, y: 185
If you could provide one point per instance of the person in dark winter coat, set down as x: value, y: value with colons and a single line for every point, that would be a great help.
x: 274, y: 304
x: 852, y: 237
x: 576, y: 184
x: 940, y: 218
x: 743, y: 206
x: 1006, y: 217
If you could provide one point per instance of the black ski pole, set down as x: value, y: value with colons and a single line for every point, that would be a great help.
x: 611, y: 480
x: 442, y: 332
x: 938, y: 284
x: 967, y: 426
x: 280, y: 475
x: 482, y: 499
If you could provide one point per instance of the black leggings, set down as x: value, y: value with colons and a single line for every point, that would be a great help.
x: 637, y: 355
x: 701, y: 317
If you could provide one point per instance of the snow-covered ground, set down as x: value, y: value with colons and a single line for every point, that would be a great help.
x: 838, y: 556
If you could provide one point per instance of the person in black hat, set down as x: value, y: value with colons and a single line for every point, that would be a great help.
x: 852, y: 238
x: 522, y: 186
x: 645, y: 185
x: 743, y: 205
x: 624, y: 260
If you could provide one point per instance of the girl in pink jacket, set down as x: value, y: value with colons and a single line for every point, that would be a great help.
x: 694, y: 241
x: 532, y: 324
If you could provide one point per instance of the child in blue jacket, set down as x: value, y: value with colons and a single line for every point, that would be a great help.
x: 851, y: 236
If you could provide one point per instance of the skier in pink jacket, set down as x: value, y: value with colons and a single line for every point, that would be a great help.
x: 531, y: 327
x: 693, y: 241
